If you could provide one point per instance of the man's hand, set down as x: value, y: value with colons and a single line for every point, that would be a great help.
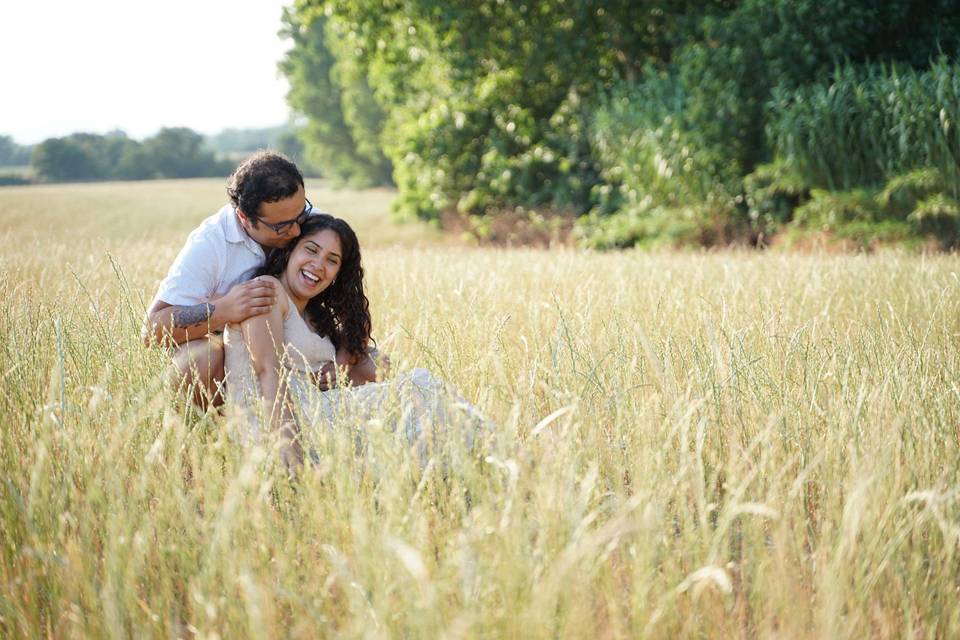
x: 168, y: 324
x: 325, y: 378
x: 245, y: 300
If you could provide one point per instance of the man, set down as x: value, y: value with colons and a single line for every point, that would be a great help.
x: 209, y: 285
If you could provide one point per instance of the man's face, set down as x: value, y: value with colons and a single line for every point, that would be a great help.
x: 275, y: 213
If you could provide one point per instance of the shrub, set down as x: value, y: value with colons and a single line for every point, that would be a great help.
x: 771, y: 193
x: 870, y: 124
x: 14, y: 179
x: 693, y: 225
x: 828, y: 210
x: 939, y: 216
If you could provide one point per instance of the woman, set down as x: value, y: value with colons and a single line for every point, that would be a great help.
x: 272, y: 358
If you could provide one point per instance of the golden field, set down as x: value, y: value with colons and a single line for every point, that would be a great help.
x: 686, y: 444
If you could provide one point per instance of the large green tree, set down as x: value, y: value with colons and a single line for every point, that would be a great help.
x: 579, y: 105
x: 485, y: 104
x: 328, y: 87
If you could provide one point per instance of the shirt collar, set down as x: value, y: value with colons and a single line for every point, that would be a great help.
x: 234, y: 232
x: 232, y: 229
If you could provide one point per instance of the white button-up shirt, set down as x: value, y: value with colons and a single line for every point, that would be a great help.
x: 217, y: 255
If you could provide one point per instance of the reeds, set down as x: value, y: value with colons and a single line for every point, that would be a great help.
x: 740, y: 444
x: 870, y: 124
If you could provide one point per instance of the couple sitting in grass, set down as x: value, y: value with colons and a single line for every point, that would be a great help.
x: 264, y: 307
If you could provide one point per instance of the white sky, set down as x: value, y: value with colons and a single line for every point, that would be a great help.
x: 98, y: 65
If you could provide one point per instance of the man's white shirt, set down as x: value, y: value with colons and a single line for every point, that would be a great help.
x: 217, y: 255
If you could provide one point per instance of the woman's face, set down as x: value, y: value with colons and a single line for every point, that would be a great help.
x: 314, y: 264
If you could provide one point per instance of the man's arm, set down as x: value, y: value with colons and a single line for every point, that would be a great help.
x: 175, y: 324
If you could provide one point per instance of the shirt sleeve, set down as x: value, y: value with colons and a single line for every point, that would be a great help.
x: 194, y: 275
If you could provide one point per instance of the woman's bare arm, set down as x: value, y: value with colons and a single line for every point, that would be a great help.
x: 263, y: 335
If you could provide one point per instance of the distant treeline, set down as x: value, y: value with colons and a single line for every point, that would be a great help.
x: 171, y: 153
x: 13, y: 154
x: 653, y: 121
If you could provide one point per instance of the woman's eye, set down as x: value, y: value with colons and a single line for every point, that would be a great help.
x: 311, y: 250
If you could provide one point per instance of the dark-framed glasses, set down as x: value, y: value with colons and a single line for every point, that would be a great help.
x: 281, y: 227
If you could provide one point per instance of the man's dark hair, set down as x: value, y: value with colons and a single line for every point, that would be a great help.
x: 266, y: 176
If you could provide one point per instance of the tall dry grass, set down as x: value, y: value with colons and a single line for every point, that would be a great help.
x: 685, y: 444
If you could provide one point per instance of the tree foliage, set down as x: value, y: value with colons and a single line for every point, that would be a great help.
x: 343, y: 121
x: 172, y: 153
x: 13, y: 154
x: 614, y: 108
x: 483, y: 105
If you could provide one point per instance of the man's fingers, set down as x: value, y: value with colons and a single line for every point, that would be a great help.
x: 266, y: 282
x: 260, y: 287
x: 251, y: 310
x: 260, y: 301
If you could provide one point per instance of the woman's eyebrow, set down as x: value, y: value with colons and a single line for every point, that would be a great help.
x: 332, y: 253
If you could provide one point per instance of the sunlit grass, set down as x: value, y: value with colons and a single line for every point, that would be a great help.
x: 754, y: 444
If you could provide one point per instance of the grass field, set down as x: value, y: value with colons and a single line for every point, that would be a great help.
x: 686, y: 444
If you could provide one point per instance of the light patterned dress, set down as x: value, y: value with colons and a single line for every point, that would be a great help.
x: 416, y: 402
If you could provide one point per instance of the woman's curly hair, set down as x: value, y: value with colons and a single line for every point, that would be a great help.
x: 340, y: 312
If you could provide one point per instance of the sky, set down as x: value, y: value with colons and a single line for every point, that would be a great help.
x: 101, y: 65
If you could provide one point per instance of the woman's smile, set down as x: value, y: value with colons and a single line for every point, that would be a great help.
x: 314, y: 264
x: 309, y: 276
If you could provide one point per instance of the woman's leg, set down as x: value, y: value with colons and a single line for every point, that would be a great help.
x: 198, y: 369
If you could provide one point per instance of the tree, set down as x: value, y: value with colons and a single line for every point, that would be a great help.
x: 485, y: 105
x: 329, y: 87
x: 172, y: 153
x: 13, y: 154
x: 178, y: 153
x: 66, y: 159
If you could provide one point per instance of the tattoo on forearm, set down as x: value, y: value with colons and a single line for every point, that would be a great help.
x: 189, y: 316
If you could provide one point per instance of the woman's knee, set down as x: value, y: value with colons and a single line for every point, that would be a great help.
x: 363, y: 371
x: 199, y: 363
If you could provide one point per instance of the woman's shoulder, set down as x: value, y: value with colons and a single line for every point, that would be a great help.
x: 283, y: 298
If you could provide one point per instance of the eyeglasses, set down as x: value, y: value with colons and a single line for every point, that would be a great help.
x: 281, y: 227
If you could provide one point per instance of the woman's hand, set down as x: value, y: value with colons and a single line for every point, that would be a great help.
x: 325, y: 378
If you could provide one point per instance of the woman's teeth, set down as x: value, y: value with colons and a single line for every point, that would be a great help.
x: 309, y: 276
